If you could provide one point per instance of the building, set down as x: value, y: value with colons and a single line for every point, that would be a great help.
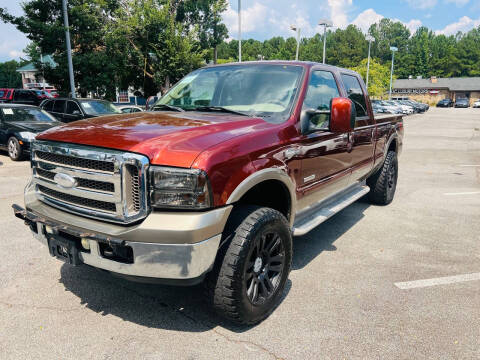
x: 32, y: 78
x: 435, y: 89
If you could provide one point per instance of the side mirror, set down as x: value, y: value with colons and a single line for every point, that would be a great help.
x: 342, y: 117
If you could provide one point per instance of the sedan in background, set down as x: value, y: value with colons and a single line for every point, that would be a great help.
x: 19, y: 124
x: 128, y: 109
x: 68, y: 110
x: 476, y: 104
x: 462, y: 103
x: 445, y: 103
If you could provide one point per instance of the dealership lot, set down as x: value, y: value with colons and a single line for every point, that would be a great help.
x: 354, y: 291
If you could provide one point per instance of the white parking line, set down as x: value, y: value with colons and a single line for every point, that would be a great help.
x: 463, y: 193
x: 437, y: 281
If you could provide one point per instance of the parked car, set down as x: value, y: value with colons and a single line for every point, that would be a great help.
x: 27, y: 97
x: 406, y: 109
x: 151, y: 100
x: 445, y: 103
x: 476, y: 104
x: 378, y: 109
x: 462, y: 103
x: 127, y: 109
x: 6, y: 95
x: 68, y: 110
x: 53, y: 92
x: 388, y: 108
x: 213, y: 183
x: 19, y: 124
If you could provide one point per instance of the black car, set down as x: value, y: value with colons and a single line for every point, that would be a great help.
x: 29, y: 97
x: 462, y: 103
x: 68, y: 110
x: 19, y: 124
x: 445, y: 103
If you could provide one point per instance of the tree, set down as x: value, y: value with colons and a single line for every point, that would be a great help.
x: 9, y: 77
x: 378, y: 77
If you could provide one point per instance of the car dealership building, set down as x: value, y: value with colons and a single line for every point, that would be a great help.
x: 435, y: 89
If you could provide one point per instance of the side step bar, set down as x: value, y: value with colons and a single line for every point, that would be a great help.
x: 325, y: 210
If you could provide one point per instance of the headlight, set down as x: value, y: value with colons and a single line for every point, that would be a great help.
x: 179, y: 188
x: 26, y: 135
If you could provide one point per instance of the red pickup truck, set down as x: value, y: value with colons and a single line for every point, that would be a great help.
x: 214, y: 182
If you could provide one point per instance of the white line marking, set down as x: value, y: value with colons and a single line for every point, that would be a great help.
x: 469, y: 165
x: 437, y: 281
x: 463, y: 193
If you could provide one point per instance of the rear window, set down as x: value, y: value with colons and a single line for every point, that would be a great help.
x: 355, y: 93
x: 59, y: 106
x: 48, y: 106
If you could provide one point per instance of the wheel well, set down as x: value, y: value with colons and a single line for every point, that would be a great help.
x: 393, y: 146
x: 270, y: 193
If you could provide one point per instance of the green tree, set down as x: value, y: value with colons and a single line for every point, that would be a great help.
x: 9, y: 77
x: 378, y: 77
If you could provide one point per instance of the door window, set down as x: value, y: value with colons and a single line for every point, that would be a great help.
x: 322, y: 88
x: 48, y: 105
x: 355, y: 93
x: 59, y: 106
x: 73, y: 109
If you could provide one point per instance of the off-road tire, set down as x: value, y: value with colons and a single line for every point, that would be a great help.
x: 14, y: 149
x: 226, y: 285
x: 384, y: 182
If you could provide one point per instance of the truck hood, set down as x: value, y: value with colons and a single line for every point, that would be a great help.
x: 166, y: 138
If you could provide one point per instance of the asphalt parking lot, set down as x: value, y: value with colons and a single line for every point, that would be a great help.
x: 351, y: 295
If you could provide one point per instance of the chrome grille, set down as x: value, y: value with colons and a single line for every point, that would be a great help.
x: 105, y: 183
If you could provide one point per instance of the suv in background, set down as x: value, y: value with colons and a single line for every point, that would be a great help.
x: 445, y: 103
x: 27, y: 97
x: 68, y: 110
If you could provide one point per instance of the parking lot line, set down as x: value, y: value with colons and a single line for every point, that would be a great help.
x: 463, y: 193
x: 437, y: 281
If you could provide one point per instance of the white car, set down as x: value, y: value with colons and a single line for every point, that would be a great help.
x: 127, y: 109
x: 476, y: 104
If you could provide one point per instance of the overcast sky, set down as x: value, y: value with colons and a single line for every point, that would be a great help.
x: 263, y: 19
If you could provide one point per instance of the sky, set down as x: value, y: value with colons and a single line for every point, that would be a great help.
x: 263, y: 19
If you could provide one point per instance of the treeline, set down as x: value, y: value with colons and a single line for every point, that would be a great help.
x: 150, y: 44
x: 420, y: 54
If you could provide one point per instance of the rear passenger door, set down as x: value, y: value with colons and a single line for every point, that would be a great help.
x: 362, y: 139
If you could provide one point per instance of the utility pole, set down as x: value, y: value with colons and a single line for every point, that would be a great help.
x: 239, y: 30
x: 369, y: 38
x: 69, y: 48
x: 297, y: 29
x: 393, y: 49
x: 325, y: 23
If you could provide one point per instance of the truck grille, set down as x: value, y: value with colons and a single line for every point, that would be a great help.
x: 101, y: 183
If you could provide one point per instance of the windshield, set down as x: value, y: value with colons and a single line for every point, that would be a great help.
x: 99, y: 107
x: 257, y: 90
x: 26, y: 114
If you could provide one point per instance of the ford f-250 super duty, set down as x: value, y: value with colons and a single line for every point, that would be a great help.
x: 213, y: 183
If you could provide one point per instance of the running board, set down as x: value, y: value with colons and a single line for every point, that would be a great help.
x: 323, y: 211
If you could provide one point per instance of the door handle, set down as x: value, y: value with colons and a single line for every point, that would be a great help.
x: 290, y: 153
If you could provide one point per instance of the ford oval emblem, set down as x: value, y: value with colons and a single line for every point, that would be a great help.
x: 65, y: 181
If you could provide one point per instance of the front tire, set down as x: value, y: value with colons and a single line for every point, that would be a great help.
x: 252, y: 267
x: 14, y: 149
x: 384, y: 182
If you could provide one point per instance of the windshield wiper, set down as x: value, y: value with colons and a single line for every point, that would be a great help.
x: 168, y: 107
x: 219, y: 109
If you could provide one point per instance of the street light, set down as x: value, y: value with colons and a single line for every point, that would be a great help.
x: 393, y: 49
x: 239, y: 30
x: 326, y: 23
x: 43, y: 69
x: 369, y: 38
x: 69, y: 48
x: 294, y: 28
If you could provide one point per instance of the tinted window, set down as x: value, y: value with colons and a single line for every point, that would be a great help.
x: 2, y: 93
x: 19, y: 95
x: 99, y: 107
x: 126, y: 110
x: 26, y: 114
x: 355, y: 93
x: 48, y: 106
x: 59, y: 106
x: 322, y: 88
x: 73, y: 107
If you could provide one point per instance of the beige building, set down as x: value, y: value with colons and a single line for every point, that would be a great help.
x: 435, y: 89
x: 32, y: 78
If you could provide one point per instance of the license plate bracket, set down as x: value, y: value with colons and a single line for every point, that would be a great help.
x: 64, y: 249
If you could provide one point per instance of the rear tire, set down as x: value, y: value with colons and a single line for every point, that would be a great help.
x: 384, y: 182
x: 14, y: 149
x: 252, y: 266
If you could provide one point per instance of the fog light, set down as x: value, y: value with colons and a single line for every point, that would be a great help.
x: 48, y: 229
x: 85, y: 243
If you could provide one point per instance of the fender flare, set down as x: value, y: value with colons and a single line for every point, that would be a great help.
x: 264, y: 175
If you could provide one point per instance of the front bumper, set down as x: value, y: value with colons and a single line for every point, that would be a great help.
x: 171, y: 245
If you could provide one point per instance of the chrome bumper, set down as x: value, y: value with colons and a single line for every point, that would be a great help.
x: 176, y: 246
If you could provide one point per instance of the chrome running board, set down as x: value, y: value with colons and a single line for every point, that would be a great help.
x: 324, y: 210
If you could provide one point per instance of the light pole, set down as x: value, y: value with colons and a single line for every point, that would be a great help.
x: 369, y: 38
x: 297, y: 29
x: 326, y: 23
x: 239, y: 30
x: 69, y: 48
x: 43, y: 69
x: 393, y: 49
